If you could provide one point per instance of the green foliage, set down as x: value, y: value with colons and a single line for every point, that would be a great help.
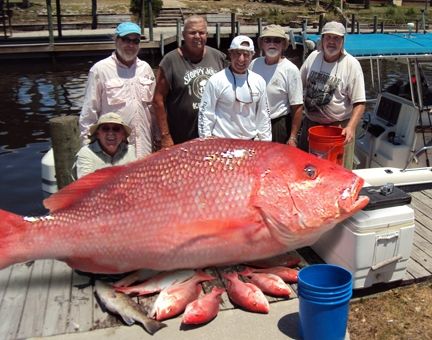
x: 135, y: 8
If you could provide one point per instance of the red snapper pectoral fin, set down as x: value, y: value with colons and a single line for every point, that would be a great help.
x: 12, y: 227
x: 78, y: 189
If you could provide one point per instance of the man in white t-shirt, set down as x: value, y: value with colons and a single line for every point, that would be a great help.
x: 234, y: 103
x: 284, y: 86
x: 334, y: 89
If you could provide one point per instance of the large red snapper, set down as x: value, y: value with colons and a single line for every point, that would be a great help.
x: 197, y: 204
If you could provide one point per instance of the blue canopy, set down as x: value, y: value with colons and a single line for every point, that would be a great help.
x: 385, y: 44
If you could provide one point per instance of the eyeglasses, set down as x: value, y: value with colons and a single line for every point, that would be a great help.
x: 250, y: 101
x: 113, y: 128
x: 275, y: 40
x: 127, y: 40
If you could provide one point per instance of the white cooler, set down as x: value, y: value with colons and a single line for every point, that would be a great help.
x: 374, y: 245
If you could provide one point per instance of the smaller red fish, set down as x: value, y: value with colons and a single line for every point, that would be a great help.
x: 269, y: 284
x: 158, y: 282
x: 289, y: 275
x: 203, y: 309
x: 173, y: 299
x: 245, y: 294
x: 138, y: 275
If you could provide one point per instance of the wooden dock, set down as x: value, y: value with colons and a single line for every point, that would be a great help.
x: 47, y: 298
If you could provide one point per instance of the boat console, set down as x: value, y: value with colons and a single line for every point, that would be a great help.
x: 390, y: 134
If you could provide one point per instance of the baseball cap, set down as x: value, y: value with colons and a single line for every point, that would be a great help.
x: 274, y: 31
x: 236, y: 43
x: 334, y: 27
x: 126, y: 28
x: 112, y: 118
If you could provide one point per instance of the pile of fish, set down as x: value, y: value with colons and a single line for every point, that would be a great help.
x: 180, y: 292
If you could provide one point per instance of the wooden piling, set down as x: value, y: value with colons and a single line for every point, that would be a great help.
x: 321, y: 23
x: 178, y: 32
x: 65, y: 142
x: 218, y: 35
x: 233, y: 20
x: 162, y: 45
x: 259, y: 27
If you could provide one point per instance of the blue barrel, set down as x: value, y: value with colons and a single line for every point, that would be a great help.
x: 324, y: 292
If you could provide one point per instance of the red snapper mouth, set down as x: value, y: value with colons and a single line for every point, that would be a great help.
x: 350, y: 200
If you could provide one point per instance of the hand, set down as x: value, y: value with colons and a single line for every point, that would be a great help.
x: 349, y: 134
x: 166, y: 141
x: 292, y: 141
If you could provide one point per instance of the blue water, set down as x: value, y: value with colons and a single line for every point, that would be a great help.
x: 30, y: 94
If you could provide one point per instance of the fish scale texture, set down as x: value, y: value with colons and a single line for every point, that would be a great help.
x: 201, y: 203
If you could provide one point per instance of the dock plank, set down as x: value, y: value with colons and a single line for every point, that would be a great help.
x: 81, y: 306
x: 34, y: 310
x: 13, y: 301
x: 59, y: 297
x: 4, y: 281
x: 416, y: 270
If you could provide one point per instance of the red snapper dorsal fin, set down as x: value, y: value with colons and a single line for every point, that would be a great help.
x: 78, y: 189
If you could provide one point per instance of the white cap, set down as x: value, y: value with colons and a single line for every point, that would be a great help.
x: 334, y: 27
x: 236, y: 43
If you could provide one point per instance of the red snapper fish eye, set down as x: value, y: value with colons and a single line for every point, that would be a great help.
x: 202, y: 203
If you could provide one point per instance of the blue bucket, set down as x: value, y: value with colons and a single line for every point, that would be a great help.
x: 324, y: 292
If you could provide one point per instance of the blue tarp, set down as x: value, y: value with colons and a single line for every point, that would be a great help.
x: 385, y: 44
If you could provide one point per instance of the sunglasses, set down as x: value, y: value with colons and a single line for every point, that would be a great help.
x: 113, y: 128
x: 127, y: 40
x: 272, y: 40
x: 250, y: 99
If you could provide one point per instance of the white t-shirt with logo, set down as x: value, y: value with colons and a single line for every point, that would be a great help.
x: 331, y: 89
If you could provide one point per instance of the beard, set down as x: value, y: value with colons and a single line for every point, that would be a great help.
x: 126, y: 56
x: 332, y: 53
x: 272, y: 52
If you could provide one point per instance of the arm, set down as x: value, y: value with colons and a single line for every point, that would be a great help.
x: 297, y: 115
x: 161, y: 91
x: 207, y: 111
x: 91, y: 106
x: 263, y: 122
x: 356, y: 116
x: 295, y: 97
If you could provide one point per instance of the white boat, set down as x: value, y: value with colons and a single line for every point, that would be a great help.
x: 49, y: 180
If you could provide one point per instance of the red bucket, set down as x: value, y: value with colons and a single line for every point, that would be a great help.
x: 327, y: 142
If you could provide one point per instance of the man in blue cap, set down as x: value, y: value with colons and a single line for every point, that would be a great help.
x: 122, y: 83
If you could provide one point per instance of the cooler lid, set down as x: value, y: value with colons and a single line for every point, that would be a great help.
x: 375, y: 220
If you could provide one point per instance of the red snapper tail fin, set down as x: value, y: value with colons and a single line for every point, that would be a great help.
x: 11, y: 227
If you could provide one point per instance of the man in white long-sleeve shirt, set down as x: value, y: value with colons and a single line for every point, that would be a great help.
x: 234, y: 103
x: 125, y: 84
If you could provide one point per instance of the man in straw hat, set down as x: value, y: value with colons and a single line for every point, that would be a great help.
x: 108, y: 146
x: 334, y: 89
x: 234, y: 102
x: 284, y: 86
x: 124, y: 84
